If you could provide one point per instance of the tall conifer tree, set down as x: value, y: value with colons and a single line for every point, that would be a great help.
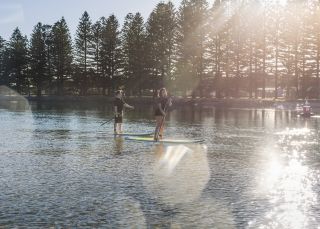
x: 160, y: 42
x: 96, y: 46
x: 84, y: 52
x: 133, y: 52
x: 2, y: 61
x: 38, y: 57
x: 62, y: 54
x: 18, y: 61
x: 110, y: 54
x: 192, y: 41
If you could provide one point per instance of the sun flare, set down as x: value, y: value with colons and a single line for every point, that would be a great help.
x: 277, y: 2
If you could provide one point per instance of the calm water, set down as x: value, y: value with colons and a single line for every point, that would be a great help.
x: 60, y: 168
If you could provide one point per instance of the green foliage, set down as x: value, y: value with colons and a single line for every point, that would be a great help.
x: 2, y: 61
x: 62, y: 54
x: 233, y: 49
x: 38, y: 57
x: 84, y: 50
x: 133, y: 52
x: 160, y: 44
x: 96, y: 45
x: 17, y: 62
x: 110, y: 54
x: 192, y: 37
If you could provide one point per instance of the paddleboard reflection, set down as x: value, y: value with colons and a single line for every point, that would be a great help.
x: 178, y: 173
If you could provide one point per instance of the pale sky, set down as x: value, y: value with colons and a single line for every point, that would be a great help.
x: 25, y: 14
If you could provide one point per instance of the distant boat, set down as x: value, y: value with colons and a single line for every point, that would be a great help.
x: 304, y: 110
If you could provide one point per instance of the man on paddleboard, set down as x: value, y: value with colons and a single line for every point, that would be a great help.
x: 162, y: 103
x: 119, y: 104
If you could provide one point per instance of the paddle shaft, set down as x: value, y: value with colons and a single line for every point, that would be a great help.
x: 106, y: 122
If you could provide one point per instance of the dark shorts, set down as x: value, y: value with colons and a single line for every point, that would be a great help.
x: 118, y: 119
x: 158, y: 113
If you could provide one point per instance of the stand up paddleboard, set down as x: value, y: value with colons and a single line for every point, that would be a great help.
x: 133, y: 134
x: 173, y: 141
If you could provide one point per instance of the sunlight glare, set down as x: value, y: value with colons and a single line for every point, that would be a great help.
x: 176, y: 169
x: 287, y: 182
x: 277, y: 2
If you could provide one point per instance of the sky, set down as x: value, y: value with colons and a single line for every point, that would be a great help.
x: 25, y: 14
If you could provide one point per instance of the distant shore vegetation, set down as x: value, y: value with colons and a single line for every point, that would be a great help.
x: 253, y: 49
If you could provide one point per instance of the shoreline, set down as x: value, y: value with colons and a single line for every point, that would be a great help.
x: 178, y: 101
x: 181, y: 101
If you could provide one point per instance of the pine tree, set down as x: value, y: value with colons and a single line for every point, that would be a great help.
x: 18, y: 61
x: 278, y: 47
x: 192, y: 40
x: 2, y: 61
x: 239, y: 59
x: 84, y: 51
x: 215, y: 45
x: 316, y: 33
x: 38, y: 59
x: 48, y: 40
x: 133, y: 52
x: 308, y: 51
x: 96, y: 46
x: 62, y: 54
x: 110, y: 54
x: 184, y: 72
x: 160, y: 41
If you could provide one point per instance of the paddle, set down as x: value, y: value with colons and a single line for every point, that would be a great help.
x: 157, y: 132
x: 106, y: 122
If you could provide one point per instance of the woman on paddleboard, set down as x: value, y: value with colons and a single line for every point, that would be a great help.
x: 119, y: 104
x: 162, y: 103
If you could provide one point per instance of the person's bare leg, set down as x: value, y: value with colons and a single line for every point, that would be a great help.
x: 158, y: 121
x: 161, y: 130
x: 155, y: 132
x: 120, y: 128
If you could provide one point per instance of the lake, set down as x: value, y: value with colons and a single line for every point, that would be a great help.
x: 257, y: 168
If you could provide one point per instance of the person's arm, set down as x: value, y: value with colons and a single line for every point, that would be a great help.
x: 169, y: 101
x: 128, y: 106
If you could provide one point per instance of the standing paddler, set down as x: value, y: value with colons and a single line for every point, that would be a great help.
x: 119, y: 104
x: 162, y: 103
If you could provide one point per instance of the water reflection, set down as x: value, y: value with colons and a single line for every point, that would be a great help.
x: 118, y: 144
x: 122, y: 211
x: 177, y: 174
x: 206, y: 213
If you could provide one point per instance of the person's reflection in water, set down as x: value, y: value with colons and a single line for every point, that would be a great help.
x: 219, y: 116
x: 175, y: 169
x: 263, y: 116
x: 118, y: 145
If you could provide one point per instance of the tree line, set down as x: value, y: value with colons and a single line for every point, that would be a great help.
x: 232, y: 48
